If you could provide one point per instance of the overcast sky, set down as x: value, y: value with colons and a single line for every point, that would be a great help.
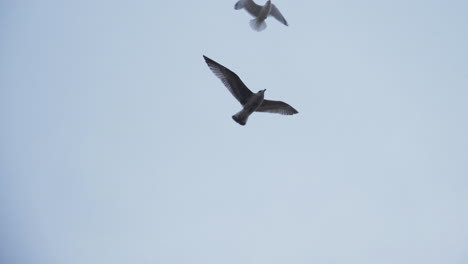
x: 117, y: 143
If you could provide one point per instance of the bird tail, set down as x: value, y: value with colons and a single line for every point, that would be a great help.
x: 241, y: 117
x: 258, y: 25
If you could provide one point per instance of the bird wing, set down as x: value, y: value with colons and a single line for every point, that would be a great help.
x: 230, y: 80
x: 250, y: 6
x: 276, y: 107
x: 277, y: 14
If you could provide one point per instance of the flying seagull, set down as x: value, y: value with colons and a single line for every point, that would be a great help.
x: 260, y: 13
x: 251, y: 102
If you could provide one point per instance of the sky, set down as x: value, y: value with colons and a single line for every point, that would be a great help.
x: 117, y: 143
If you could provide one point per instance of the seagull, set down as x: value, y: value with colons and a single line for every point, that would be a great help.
x: 251, y: 102
x: 260, y: 13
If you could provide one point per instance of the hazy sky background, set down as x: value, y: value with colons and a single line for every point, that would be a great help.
x: 117, y: 143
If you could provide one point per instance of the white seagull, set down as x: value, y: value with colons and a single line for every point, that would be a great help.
x: 260, y: 13
x: 251, y: 102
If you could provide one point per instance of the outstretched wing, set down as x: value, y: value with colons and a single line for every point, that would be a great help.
x: 277, y: 14
x: 250, y: 6
x: 230, y: 80
x: 276, y: 107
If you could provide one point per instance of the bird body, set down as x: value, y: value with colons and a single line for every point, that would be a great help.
x: 251, y: 102
x: 260, y: 13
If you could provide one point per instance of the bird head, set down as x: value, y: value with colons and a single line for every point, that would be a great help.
x: 262, y: 91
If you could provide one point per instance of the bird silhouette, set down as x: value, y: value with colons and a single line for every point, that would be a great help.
x: 251, y: 102
x: 260, y: 13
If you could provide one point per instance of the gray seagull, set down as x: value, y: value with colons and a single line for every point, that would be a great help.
x: 260, y: 13
x: 251, y: 102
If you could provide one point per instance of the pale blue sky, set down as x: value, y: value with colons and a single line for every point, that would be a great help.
x: 117, y: 143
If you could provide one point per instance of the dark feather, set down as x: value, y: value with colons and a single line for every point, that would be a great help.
x: 276, y: 107
x: 230, y: 80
